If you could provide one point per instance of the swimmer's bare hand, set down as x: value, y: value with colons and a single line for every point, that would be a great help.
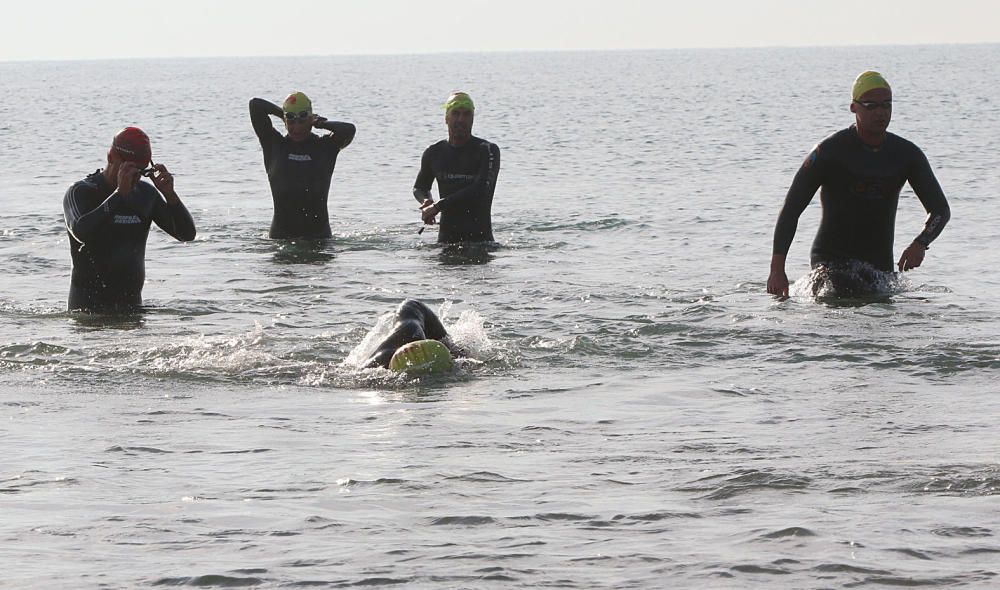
x: 428, y: 211
x: 777, y: 280
x: 777, y: 284
x: 163, y: 180
x: 128, y: 176
x: 912, y: 257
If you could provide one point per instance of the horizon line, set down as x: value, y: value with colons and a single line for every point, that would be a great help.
x: 494, y: 51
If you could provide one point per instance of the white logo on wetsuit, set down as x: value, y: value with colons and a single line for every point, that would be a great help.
x: 451, y: 176
x: 300, y: 157
x: 127, y: 219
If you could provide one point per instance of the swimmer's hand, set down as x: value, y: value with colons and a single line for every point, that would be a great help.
x: 913, y: 256
x: 428, y: 211
x: 127, y: 178
x: 163, y: 180
x: 777, y: 281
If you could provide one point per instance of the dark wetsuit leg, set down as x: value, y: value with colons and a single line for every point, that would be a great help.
x: 414, y: 321
x: 103, y: 300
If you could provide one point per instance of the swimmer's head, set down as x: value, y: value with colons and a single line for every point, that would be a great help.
x: 868, y: 81
x: 131, y: 144
x: 459, y: 114
x: 297, y: 103
x: 422, y: 357
x: 458, y: 100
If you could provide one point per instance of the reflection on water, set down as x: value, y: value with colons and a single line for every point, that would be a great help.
x: 303, y: 251
x: 471, y: 253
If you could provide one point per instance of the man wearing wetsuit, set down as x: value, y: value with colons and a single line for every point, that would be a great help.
x: 466, y: 169
x: 108, y: 215
x: 414, y: 321
x: 860, y: 172
x: 299, y: 165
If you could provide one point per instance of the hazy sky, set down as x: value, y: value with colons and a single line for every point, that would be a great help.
x: 82, y: 29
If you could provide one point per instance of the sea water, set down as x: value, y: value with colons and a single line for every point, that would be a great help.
x: 636, y: 411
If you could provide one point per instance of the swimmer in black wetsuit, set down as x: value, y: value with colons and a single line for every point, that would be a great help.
x: 299, y: 165
x: 466, y: 169
x: 414, y: 321
x: 108, y: 215
x: 860, y: 172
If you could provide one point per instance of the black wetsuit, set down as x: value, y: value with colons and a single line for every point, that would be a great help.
x: 466, y: 177
x: 414, y: 321
x: 107, y: 238
x: 860, y: 192
x: 299, y: 172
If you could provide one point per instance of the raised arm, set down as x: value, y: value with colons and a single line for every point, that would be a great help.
x: 261, y: 112
x: 341, y: 133
x: 171, y: 214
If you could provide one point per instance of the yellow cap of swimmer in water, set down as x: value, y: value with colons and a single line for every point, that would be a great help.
x: 421, y: 357
x: 296, y: 103
x: 868, y: 81
x: 458, y: 100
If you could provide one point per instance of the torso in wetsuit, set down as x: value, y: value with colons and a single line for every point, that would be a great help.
x: 299, y: 174
x: 466, y: 178
x: 107, y: 237
x: 860, y: 188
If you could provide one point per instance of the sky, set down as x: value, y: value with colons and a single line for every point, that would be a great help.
x: 100, y: 29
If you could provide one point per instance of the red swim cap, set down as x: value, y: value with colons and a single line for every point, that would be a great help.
x: 132, y: 144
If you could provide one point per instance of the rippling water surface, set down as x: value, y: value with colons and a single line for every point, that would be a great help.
x: 637, y: 412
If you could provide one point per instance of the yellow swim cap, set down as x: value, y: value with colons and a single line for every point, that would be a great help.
x: 421, y: 357
x: 868, y: 81
x: 297, y: 102
x: 459, y: 100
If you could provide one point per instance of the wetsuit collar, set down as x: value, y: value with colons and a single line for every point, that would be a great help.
x: 870, y: 146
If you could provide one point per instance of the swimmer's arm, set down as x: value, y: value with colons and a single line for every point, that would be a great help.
x: 174, y: 218
x: 341, y: 133
x: 425, y: 179
x: 928, y: 190
x: 807, y: 180
x: 260, y: 117
x: 455, y: 350
x: 484, y: 183
x: 83, y: 224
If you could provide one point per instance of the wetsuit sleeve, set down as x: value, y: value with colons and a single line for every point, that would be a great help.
x: 175, y: 220
x: 807, y: 180
x: 83, y: 224
x: 485, y: 181
x: 425, y: 178
x: 928, y: 190
x: 343, y: 133
x: 260, y: 117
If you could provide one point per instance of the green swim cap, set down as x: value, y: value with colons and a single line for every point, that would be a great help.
x: 421, y: 357
x: 297, y: 102
x: 868, y: 81
x: 459, y: 100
